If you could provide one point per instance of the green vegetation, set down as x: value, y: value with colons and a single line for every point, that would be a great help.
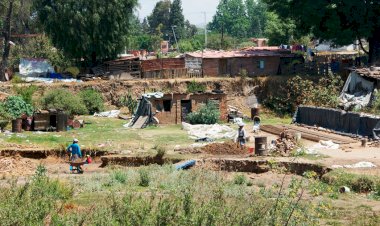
x: 356, y: 182
x: 97, y: 21
x: 64, y: 100
x: 109, y: 132
x: 207, y: 114
x: 93, y: 100
x: 171, y: 197
x: 304, y: 91
x: 194, y: 87
x: 26, y: 92
x: 128, y: 101
x: 15, y: 107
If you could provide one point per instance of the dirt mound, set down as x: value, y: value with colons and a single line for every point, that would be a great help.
x: 16, y: 166
x: 227, y: 148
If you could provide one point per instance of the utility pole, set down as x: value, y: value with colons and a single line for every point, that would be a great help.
x: 205, y: 15
x: 222, y: 39
x: 175, y: 37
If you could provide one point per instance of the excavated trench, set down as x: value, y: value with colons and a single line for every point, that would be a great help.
x: 43, y: 154
x: 222, y: 164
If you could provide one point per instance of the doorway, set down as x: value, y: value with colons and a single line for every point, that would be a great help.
x: 185, y: 109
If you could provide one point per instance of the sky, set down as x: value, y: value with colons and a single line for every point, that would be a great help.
x: 192, y: 9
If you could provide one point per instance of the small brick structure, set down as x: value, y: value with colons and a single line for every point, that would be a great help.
x: 173, y: 108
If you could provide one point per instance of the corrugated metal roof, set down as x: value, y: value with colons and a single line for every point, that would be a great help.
x: 213, y: 54
x: 371, y: 72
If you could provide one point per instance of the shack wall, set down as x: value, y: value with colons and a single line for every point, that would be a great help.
x: 174, y: 115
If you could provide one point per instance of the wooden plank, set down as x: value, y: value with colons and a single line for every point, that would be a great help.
x: 308, y: 134
x: 140, y: 122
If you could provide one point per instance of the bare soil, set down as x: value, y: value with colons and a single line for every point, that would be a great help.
x: 227, y: 148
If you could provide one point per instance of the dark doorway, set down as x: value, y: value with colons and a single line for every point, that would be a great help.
x: 53, y: 121
x: 186, y: 109
x: 223, y: 66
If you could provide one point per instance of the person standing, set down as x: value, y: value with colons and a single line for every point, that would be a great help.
x: 241, y: 136
x: 74, y: 151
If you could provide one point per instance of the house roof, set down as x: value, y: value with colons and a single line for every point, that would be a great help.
x: 213, y: 54
x: 371, y: 72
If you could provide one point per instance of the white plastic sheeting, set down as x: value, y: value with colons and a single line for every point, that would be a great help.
x: 48, y: 80
x: 356, y: 92
x: 356, y: 165
x: 30, y: 67
x: 108, y: 114
x: 214, y: 131
x: 155, y: 95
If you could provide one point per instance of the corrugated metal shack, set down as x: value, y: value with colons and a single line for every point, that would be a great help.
x: 50, y: 120
x: 163, y: 68
x: 230, y: 63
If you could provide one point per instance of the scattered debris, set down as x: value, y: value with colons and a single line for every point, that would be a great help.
x: 108, y: 114
x: 356, y: 165
x: 344, y: 189
x: 16, y: 166
x: 214, y: 132
x: 285, y: 144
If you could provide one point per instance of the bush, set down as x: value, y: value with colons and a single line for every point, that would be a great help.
x: 207, y: 114
x: 93, y: 100
x: 240, y: 179
x: 144, y: 178
x: 26, y: 92
x: 194, y: 87
x: 64, y: 100
x: 15, y: 107
x: 120, y: 176
x: 129, y: 102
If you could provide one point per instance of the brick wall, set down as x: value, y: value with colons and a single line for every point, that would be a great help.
x: 174, y: 115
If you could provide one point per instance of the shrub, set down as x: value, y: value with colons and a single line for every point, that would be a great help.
x: 194, y: 87
x: 93, y: 100
x: 207, y: 114
x: 16, y: 79
x: 144, y: 178
x: 64, y: 100
x: 120, y: 176
x: 161, y: 151
x: 15, y: 107
x: 26, y: 92
x: 240, y: 179
x: 129, y: 102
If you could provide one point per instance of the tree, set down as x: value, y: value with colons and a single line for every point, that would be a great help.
x: 341, y: 22
x: 6, y: 34
x: 278, y: 31
x: 257, y: 16
x: 231, y: 18
x: 88, y: 29
x: 190, y: 29
x: 177, y: 19
x: 160, y: 15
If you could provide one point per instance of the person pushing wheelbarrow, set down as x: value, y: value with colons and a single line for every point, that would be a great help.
x: 75, y: 157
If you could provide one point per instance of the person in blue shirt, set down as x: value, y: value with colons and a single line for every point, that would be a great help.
x: 74, y: 151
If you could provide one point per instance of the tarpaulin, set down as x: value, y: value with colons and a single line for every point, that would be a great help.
x: 352, y: 123
x: 33, y: 67
x: 357, y: 92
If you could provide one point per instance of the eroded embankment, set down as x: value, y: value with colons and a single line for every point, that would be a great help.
x: 42, y: 154
x: 222, y: 164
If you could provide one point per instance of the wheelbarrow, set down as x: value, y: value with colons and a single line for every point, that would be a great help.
x: 76, y: 166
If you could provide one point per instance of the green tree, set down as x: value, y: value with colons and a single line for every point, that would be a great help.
x: 257, y: 17
x: 177, y: 19
x: 341, y: 22
x: 160, y: 16
x: 231, y: 18
x: 278, y: 31
x: 88, y: 29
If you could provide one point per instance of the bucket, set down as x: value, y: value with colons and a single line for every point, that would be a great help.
x: 261, y: 146
x: 251, y: 149
x: 17, y: 125
x: 298, y: 136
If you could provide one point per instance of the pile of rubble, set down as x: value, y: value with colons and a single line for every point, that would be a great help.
x: 284, y: 144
